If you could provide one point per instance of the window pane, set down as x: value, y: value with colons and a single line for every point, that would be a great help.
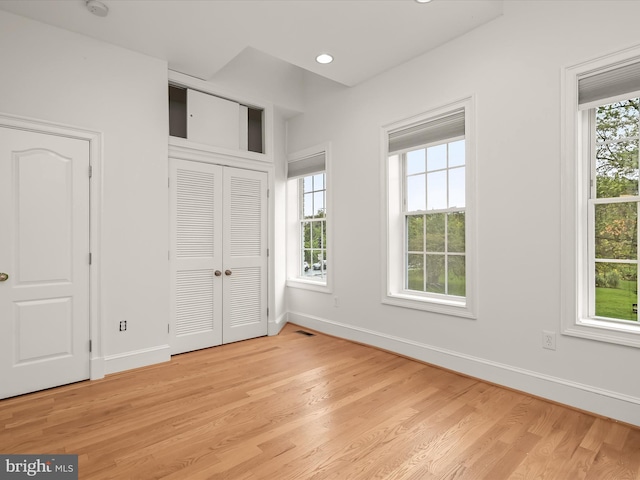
x: 616, y: 231
x: 317, y: 232
x: 617, y: 121
x: 455, y: 232
x: 616, y: 291
x: 415, y: 272
x: 435, y: 232
x: 617, y: 169
x: 415, y: 161
x: 456, y: 188
x: 319, y: 263
x: 437, y: 190
x: 415, y: 193
x: 456, y: 273
x: 415, y: 233
x: 456, y: 153
x: 306, y: 234
x: 318, y: 204
x: 323, y: 242
x: 307, y: 205
x: 307, y: 184
x: 434, y: 270
x: 318, y: 181
x: 437, y: 157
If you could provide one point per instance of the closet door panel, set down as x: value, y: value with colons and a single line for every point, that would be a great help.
x: 196, y: 193
x: 245, y: 255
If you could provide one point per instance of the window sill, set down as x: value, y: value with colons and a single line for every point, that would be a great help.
x: 604, y: 331
x: 442, y: 306
x: 308, y: 285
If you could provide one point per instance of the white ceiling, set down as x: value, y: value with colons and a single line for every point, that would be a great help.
x: 200, y: 38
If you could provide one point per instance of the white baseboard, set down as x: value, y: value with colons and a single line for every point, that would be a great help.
x: 276, y: 325
x: 136, y: 359
x: 602, y: 402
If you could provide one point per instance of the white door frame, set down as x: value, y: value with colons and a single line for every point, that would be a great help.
x: 181, y: 150
x: 95, y: 210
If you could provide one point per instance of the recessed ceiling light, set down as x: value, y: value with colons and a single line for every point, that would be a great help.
x: 423, y: 1
x: 324, y: 58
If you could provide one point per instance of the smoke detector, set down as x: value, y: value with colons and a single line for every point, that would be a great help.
x: 97, y: 8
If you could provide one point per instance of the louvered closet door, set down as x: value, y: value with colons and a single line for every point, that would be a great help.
x: 245, y: 255
x: 196, y: 253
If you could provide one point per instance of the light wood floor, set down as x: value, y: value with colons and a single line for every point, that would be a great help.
x: 298, y: 407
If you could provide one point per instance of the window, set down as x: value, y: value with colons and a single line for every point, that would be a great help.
x: 434, y: 200
x: 313, y: 226
x: 308, y: 250
x: 601, y: 199
x: 429, y: 260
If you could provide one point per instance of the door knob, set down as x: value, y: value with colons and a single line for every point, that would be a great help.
x: 5, y: 276
x: 227, y: 272
x: 217, y: 273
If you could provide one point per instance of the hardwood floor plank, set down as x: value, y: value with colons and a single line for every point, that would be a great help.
x: 299, y: 407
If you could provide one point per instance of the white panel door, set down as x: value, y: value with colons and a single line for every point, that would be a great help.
x: 196, y: 255
x: 44, y: 250
x: 245, y: 255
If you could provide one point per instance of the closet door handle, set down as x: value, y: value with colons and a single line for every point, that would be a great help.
x: 4, y: 277
x: 227, y: 272
x: 217, y: 273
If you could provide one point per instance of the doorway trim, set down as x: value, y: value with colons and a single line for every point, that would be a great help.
x: 96, y: 326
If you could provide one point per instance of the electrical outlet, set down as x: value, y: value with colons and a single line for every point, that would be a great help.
x: 123, y: 325
x: 548, y: 340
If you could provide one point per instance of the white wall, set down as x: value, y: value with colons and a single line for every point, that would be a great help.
x: 259, y: 75
x: 58, y: 76
x: 512, y: 66
x: 279, y: 219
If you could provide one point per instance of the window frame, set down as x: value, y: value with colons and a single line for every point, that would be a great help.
x: 577, y: 286
x: 295, y: 221
x: 393, y: 234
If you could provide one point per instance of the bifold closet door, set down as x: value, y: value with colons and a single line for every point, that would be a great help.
x: 245, y: 255
x: 218, y: 255
x: 196, y: 196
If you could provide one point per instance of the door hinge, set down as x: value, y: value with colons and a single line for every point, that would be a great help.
x: 90, y: 258
x: 267, y: 311
x: 90, y: 346
x: 268, y: 191
x: 90, y: 171
x: 168, y: 182
x: 267, y: 252
x: 168, y: 326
